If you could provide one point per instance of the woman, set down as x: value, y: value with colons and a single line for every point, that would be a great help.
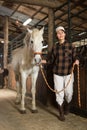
x: 63, y: 57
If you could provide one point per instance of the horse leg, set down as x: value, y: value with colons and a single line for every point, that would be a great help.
x: 33, y: 91
x: 18, y: 96
x: 23, y: 83
x: 18, y: 87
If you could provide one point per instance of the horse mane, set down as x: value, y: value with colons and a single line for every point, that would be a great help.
x: 26, y: 39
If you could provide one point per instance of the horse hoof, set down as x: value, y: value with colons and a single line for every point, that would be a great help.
x: 23, y: 111
x: 61, y: 118
x: 34, y: 111
x: 17, y: 103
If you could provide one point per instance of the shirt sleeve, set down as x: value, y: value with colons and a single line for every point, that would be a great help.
x: 75, y: 55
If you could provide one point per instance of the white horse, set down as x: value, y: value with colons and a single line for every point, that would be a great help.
x: 25, y: 62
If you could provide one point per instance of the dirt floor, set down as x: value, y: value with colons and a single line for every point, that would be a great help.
x: 45, y: 119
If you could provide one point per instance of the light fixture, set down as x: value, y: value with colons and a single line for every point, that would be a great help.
x: 17, y: 21
x: 81, y: 33
x: 2, y: 41
x: 27, y: 21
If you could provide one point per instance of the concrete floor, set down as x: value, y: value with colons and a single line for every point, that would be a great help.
x: 45, y: 119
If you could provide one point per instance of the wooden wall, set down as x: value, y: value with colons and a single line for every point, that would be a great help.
x: 1, y: 64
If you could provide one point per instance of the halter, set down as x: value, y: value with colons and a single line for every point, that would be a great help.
x: 37, y: 53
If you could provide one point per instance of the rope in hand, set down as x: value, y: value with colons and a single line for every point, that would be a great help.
x: 55, y: 91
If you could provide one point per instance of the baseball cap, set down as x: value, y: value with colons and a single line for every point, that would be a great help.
x: 60, y: 28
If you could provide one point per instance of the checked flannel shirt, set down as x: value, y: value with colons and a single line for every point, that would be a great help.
x: 62, y: 57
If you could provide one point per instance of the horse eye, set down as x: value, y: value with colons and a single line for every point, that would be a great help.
x: 32, y: 42
x: 42, y: 41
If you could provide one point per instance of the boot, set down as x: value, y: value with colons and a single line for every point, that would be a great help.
x: 66, y: 108
x: 61, y: 113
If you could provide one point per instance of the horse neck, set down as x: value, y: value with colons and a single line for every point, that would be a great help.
x: 29, y: 51
x: 28, y: 55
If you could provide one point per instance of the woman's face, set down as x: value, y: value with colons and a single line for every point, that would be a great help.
x: 61, y: 35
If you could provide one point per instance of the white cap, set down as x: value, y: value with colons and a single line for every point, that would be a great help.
x: 60, y: 28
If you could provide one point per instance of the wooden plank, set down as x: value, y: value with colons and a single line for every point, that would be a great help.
x: 86, y: 86
x: 46, y: 3
x: 50, y: 29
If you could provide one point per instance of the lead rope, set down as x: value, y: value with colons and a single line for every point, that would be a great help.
x: 79, y: 99
x: 55, y: 91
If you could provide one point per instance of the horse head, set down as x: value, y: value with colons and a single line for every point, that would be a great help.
x: 36, y: 43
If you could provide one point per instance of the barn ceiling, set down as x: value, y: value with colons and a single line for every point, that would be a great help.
x: 72, y: 14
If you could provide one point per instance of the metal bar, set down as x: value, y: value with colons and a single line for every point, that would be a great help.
x: 15, y: 10
x: 18, y: 37
x: 37, y: 12
x: 69, y: 22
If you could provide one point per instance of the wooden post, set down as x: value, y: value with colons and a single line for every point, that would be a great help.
x: 46, y: 3
x: 50, y: 29
x: 5, y: 42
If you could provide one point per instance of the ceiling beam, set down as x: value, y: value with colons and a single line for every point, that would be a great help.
x: 78, y: 38
x: 15, y: 10
x: 45, y: 3
x: 58, y: 8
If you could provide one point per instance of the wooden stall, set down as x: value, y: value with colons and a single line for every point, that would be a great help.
x: 81, y: 110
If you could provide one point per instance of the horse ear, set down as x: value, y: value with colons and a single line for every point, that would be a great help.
x: 30, y: 31
x: 42, y: 30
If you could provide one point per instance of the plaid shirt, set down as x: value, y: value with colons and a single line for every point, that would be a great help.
x: 62, y: 58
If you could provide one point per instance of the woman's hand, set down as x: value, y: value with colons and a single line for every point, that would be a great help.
x: 76, y: 62
x: 43, y: 62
